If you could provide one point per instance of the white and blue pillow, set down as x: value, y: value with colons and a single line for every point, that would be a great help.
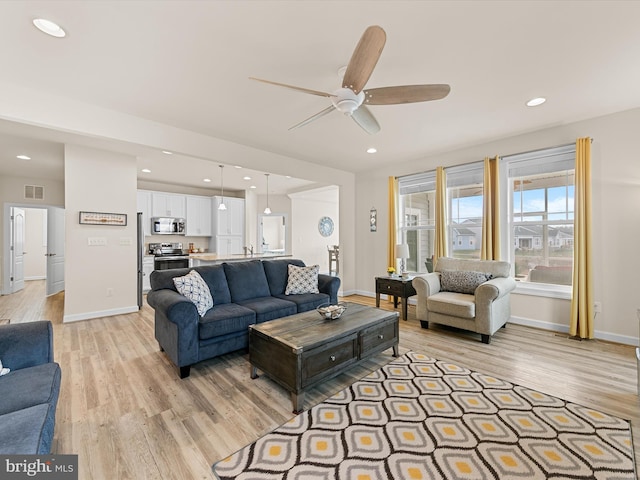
x: 302, y: 280
x: 193, y: 286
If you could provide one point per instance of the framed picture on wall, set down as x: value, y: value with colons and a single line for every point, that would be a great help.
x: 98, y: 218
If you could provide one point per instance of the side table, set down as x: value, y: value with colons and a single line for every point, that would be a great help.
x: 398, y: 287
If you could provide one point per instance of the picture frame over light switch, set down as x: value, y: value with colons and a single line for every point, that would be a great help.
x: 373, y: 220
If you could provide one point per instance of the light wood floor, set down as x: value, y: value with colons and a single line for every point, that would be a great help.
x: 127, y: 415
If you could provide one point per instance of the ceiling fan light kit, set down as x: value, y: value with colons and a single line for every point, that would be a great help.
x: 347, y: 101
x: 350, y: 98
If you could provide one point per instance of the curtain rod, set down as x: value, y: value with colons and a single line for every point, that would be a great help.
x: 501, y: 156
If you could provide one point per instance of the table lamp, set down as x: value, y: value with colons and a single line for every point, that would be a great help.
x: 402, y: 252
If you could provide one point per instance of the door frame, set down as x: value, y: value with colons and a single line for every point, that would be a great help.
x: 6, y: 239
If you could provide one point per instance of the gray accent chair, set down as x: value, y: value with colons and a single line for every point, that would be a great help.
x: 484, y: 312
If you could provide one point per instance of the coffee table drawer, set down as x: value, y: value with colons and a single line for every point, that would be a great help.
x: 328, y: 359
x: 378, y: 338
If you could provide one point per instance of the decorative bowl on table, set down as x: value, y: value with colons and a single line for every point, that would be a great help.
x: 331, y: 312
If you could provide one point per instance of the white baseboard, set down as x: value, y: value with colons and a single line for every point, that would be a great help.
x: 561, y: 328
x: 38, y: 277
x: 77, y: 317
x: 541, y: 324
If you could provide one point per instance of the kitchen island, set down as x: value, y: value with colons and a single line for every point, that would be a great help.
x: 200, y: 259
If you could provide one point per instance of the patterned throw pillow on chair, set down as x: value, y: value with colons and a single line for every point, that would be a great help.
x: 302, y: 280
x: 193, y: 286
x: 461, y: 281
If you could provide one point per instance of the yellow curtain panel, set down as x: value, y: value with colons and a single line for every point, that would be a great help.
x: 490, y: 248
x: 391, y: 239
x: 440, y: 248
x: 581, y: 323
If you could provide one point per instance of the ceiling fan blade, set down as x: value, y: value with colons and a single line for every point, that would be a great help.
x: 364, y: 58
x: 292, y: 87
x: 363, y: 117
x: 314, y: 117
x: 405, y: 94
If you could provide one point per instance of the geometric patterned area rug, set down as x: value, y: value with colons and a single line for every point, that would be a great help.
x: 421, y: 418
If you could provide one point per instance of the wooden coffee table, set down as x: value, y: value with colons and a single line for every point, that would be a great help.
x: 302, y: 350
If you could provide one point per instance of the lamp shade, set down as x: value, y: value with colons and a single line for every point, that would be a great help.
x: 402, y: 250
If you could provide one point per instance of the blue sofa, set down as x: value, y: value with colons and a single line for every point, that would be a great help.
x: 244, y: 293
x: 29, y: 393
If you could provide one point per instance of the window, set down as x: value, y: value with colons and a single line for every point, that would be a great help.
x: 464, y: 209
x: 540, y: 213
x: 536, y: 211
x: 416, y: 219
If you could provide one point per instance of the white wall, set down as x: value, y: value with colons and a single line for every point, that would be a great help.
x: 307, y: 208
x: 35, y: 244
x: 100, y: 280
x: 616, y: 223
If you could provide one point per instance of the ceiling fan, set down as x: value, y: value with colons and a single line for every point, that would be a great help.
x: 352, y: 99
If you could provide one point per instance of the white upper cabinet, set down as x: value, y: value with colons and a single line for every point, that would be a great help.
x: 198, y: 216
x: 231, y: 220
x: 168, y: 205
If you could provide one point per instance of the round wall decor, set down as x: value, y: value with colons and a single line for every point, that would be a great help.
x: 325, y: 226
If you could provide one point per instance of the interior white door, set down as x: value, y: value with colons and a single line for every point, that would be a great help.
x: 17, y: 249
x: 55, y: 250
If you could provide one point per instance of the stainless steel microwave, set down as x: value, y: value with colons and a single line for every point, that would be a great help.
x: 167, y: 226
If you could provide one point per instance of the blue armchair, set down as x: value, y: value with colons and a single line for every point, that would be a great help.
x: 29, y: 392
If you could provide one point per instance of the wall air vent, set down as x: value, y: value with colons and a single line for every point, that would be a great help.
x: 34, y: 192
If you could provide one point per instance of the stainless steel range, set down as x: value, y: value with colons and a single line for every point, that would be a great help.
x: 168, y: 256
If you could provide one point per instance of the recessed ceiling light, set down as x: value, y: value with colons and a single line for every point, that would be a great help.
x: 246, y: 178
x: 238, y: 166
x: 534, y: 102
x: 252, y: 186
x: 49, y: 27
x: 371, y: 150
x: 206, y: 180
x: 23, y: 157
x: 287, y: 176
x: 167, y: 152
x: 146, y: 170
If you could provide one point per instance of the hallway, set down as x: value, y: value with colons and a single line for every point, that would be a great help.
x: 30, y: 304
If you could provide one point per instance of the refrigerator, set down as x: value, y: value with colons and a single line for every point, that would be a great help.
x: 140, y: 248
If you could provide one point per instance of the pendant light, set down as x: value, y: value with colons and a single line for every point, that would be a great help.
x: 222, y: 206
x: 267, y: 210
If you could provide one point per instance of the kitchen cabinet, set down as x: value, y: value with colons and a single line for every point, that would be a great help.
x: 144, y: 206
x: 227, y: 244
x: 168, y: 205
x: 147, y: 268
x: 198, y: 216
x: 231, y: 220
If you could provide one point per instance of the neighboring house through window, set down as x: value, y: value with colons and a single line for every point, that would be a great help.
x: 540, y: 188
x: 537, y: 213
x: 464, y: 209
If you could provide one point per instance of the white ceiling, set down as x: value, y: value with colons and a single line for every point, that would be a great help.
x: 187, y: 63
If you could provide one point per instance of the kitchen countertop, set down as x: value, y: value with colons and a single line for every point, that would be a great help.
x: 214, y: 257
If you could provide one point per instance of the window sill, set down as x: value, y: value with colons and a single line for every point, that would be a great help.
x: 543, y: 290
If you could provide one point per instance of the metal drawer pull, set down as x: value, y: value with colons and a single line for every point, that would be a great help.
x: 332, y: 358
x: 380, y: 336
